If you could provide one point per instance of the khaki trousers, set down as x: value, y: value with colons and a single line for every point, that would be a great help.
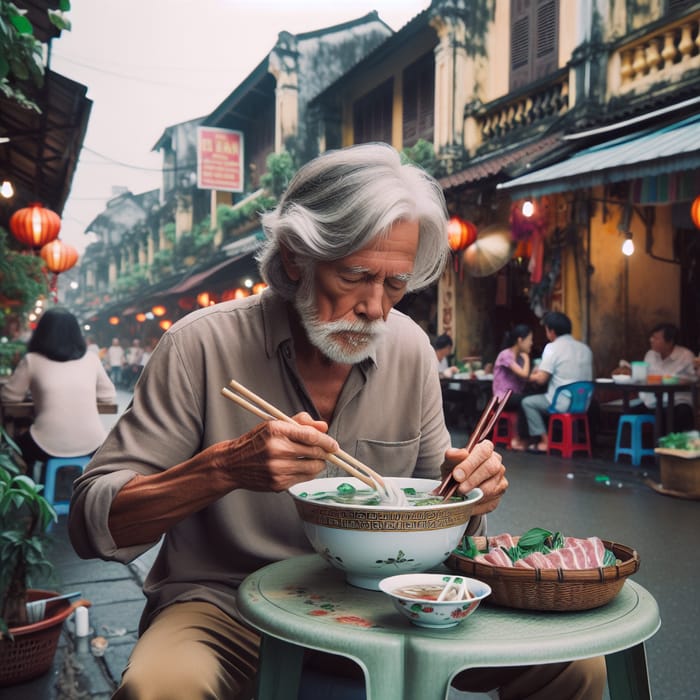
x: 195, y: 651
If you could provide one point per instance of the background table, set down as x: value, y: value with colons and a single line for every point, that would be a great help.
x: 628, y: 389
x: 304, y: 602
x: 13, y: 411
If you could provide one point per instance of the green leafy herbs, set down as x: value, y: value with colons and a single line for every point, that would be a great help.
x: 537, y: 539
x: 681, y: 441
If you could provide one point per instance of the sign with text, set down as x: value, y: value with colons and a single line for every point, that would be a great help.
x: 219, y: 159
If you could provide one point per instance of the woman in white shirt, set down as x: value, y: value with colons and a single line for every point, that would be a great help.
x: 65, y: 382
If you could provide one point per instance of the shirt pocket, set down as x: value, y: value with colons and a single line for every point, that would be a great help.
x: 389, y: 458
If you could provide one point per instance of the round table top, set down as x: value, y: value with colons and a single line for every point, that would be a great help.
x: 306, y: 601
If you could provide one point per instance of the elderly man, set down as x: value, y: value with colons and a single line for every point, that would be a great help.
x: 564, y: 360
x: 666, y: 357
x: 354, y: 232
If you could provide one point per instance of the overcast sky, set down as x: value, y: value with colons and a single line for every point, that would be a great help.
x: 149, y: 64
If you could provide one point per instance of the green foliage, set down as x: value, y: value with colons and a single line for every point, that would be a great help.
x: 10, y: 354
x: 21, y: 53
x: 169, y: 232
x: 134, y: 280
x: 280, y: 169
x: 422, y: 154
x: 24, y: 517
x: 22, y: 279
x: 197, y: 242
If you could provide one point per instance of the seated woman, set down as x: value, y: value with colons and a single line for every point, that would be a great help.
x: 510, y: 371
x: 65, y: 382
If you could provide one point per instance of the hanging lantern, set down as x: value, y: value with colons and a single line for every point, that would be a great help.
x: 140, y: 318
x: 186, y: 303
x: 114, y: 320
x: 59, y: 256
x: 35, y: 225
x: 695, y: 211
x: 257, y: 288
x: 159, y: 310
x: 165, y: 324
x: 460, y: 233
x: 241, y: 293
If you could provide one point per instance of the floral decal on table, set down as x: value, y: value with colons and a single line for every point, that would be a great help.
x: 322, y: 606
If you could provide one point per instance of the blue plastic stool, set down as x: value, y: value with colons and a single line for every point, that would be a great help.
x: 634, y: 448
x: 53, y: 465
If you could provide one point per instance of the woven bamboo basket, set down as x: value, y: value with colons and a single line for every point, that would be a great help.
x: 31, y: 652
x: 550, y: 589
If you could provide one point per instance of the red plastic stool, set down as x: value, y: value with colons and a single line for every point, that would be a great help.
x: 574, y: 434
x: 506, y: 429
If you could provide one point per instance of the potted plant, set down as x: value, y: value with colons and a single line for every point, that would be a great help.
x: 26, y: 649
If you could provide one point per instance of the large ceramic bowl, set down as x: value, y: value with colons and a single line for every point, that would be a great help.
x: 371, y: 542
x: 428, y: 611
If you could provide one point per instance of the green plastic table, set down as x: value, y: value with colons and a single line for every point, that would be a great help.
x: 304, y: 602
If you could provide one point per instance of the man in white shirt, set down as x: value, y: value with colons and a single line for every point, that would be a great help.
x: 564, y: 360
x: 666, y: 358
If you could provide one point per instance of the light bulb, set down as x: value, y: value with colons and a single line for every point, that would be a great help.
x: 628, y: 247
x: 6, y: 189
x: 528, y: 208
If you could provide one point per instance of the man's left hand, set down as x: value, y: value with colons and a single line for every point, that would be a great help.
x: 482, y: 468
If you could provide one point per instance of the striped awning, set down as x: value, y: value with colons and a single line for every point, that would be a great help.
x: 671, y: 149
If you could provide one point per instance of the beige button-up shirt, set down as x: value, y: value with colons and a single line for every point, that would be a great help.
x: 389, y: 415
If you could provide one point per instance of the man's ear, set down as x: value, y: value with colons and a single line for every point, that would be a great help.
x: 289, y: 263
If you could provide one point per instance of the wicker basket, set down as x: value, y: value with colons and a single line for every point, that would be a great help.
x: 31, y: 652
x: 550, y: 589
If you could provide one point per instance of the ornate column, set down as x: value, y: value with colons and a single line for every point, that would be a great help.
x: 284, y: 66
x: 454, y: 78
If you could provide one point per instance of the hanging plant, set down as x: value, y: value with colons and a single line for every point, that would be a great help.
x: 22, y: 281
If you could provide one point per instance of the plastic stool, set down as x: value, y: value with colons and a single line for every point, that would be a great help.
x: 575, y: 434
x: 53, y: 465
x: 506, y: 429
x: 634, y: 448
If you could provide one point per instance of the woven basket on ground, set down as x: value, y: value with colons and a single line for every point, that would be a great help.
x: 550, y: 589
x: 31, y: 652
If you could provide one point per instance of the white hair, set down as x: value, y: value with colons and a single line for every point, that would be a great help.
x: 341, y: 201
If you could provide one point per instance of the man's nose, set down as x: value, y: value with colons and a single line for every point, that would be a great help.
x: 372, y: 304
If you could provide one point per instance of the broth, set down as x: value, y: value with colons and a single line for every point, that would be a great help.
x: 428, y: 591
x: 347, y: 494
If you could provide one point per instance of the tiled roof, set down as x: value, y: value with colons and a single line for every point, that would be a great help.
x: 518, y: 157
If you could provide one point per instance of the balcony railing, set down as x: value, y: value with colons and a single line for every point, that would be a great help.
x: 506, y: 117
x: 663, y: 54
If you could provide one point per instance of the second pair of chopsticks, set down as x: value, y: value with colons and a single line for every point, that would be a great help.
x: 262, y: 409
x: 484, y: 426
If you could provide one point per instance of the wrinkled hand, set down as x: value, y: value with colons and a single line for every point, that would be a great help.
x: 482, y: 468
x: 276, y: 455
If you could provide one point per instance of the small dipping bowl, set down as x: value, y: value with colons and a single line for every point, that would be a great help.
x: 370, y: 542
x: 433, y: 614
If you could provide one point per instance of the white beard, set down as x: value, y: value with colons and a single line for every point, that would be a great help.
x: 345, y: 342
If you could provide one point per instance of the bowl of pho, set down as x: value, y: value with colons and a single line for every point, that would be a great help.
x: 435, y: 600
x: 353, y: 529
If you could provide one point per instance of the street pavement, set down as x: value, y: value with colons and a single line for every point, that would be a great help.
x: 578, y: 496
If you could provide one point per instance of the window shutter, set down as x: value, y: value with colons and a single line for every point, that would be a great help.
x: 372, y: 114
x: 534, y: 40
x: 419, y: 100
x: 546, y: 44
x: 519, y: 43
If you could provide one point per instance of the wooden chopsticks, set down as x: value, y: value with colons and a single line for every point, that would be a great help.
x: 483, y: 427
x: 262, y: 409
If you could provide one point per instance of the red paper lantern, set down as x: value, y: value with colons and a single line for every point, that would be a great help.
x: 59, y: 256
x: 35, y: 225
x: 159, y: 310
x: 695, y: 212
x: 460, y: 233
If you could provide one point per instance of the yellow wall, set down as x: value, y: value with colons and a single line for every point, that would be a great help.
x: 626, y: 304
